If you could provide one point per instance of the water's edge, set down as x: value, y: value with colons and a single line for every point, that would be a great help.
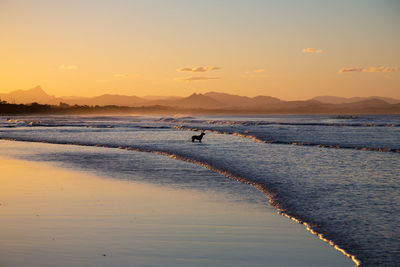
x: 270, y: 194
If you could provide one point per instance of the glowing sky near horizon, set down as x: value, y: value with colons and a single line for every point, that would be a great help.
x: 287, y: 49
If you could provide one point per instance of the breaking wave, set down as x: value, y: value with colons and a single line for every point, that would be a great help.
x: 297, y: 143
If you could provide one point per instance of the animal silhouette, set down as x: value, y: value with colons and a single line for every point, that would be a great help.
x: 198, y: 137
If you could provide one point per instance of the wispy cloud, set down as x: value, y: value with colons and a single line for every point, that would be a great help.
x: 311, y: 51
x: 199, y: 78
x: 68, y: 67
x: 380, y: 69
x: 356, y: 69
x: 199, y: 69
x: 370, y: 69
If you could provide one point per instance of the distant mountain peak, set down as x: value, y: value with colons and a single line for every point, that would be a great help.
x: 196, y: 100
x: 37, y: 90
x: 35, y: 94
x: 243, y: 101
x: 196, y: 95
x: 37, y: 87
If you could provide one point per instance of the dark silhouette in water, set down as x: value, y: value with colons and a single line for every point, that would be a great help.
x: 198, y: 137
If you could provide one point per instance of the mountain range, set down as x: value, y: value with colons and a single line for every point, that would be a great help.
x: 209, y: 101
x: 344, y: 100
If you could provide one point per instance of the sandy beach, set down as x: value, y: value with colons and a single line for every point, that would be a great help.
x: 53, y: 216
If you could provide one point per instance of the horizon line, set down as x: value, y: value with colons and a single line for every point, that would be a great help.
x: 190, y: 94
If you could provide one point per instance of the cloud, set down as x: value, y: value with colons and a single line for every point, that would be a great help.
x: 380, y: 69
x: 199, y: 69
x: 356, y: 69
x: 312, y: 50
x: 185, y: 69
x: 199, y: 78
x: 370, y: 69
x: 68, y: 67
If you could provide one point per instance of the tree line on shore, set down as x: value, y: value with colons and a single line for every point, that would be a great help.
x: 64, y: 109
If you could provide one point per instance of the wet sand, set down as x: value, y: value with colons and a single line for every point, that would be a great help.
x: 52, y: 216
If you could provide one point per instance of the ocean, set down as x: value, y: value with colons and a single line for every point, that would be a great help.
x: 337, y: 175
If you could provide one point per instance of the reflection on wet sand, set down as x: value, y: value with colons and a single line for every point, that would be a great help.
x: 58, y: 217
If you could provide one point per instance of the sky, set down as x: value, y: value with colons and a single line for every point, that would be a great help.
x: 287, y: 49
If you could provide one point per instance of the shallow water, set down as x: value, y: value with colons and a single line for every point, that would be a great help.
x: 351, y: 196
x: 59, y: 217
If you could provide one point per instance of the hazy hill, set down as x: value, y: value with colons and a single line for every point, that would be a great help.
x: 300, y: 105
x: 159, y: 97
x: 36, y: 94
x: 387, y: 99
x: 266, y: 100
x: 230, y: 100
x: 243, y: 101
x: 194, y: 101
x: 217, y: 103
x: 367, y: 103
x: 104, y: 100
x: 344, y: 100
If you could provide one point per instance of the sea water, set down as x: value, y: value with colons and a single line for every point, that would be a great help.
x: 339, y: 175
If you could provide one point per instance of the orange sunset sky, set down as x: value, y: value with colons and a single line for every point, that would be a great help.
x: 287, y: 49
